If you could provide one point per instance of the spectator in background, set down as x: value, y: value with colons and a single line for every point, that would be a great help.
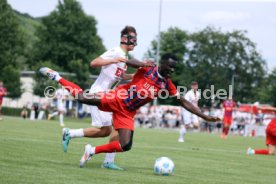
x: 218, y: 113
x: 204, y: 124
x: 3, y: 92
x: 171, y: 118
x: 35, y: 108
x: 259, y: 117
x: 143, y: 117
x: 24, y: 112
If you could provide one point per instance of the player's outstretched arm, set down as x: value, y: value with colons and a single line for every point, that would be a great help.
x: 135, y: 63
x: 127, y: 76
x: 98, y: 62
x: 191, y: 108
x: 268, y: 108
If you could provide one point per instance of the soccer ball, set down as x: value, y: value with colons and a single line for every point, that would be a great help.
x: 163, y: 166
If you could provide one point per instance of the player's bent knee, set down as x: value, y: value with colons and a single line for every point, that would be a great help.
x: 106, y: 131
x: 127, y: 147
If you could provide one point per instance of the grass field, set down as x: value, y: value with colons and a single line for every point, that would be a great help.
x: 31, y: 153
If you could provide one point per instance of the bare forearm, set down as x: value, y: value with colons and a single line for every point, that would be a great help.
x: 135, y: 63
x: 98, y: 62
x: 191, y: 108
x: 127, y: 76
x: 268, y: 108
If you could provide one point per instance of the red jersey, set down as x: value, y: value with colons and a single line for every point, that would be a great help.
x: 3, y: 92
x: 146, y: 84
x: 228, y: 106
x: 271, y: 132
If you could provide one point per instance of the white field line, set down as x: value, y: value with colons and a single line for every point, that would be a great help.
x: 137, y: 145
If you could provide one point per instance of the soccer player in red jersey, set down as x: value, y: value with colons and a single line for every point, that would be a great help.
x: 270, y: 138
x: 228, y: 106
x: 3, y: 92
x: 148, y: 83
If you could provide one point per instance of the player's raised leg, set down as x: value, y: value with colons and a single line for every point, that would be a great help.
x: 74, y: 89
x: 54, y: 75
x: 50, y: 116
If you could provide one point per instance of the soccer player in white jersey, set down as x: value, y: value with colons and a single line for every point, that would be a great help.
x: 61, y: 95
x: 113, y: 68
x: 189, y: 119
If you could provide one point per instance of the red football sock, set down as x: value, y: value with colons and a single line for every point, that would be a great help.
x: 109, y: 148
x: 226, y: 131
x: 223, y: 130
x: 261, y: 152
x: 70, y: 86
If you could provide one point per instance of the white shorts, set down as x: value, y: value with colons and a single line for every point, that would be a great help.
x: 190, y: 118
x: 61, y: 107
x: 100, y: 118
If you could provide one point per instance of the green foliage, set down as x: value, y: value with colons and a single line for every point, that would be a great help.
x: 68, y: 40
x: 67, y: 34
x: 223, y: 55
x: 268, y: 90
x: 11, y: 79
x: 28, y: 26
x: 82, y: 73
x: 8, y: 111
x: 212, y: 57
x: 11, y: 50
x: 173, y: 40
x: 41, y: 82
x: 11, y: 38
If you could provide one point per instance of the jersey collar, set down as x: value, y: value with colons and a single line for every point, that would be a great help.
x: 159, y: 75
x: 124, y: 51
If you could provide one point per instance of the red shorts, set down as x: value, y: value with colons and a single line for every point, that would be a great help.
x: 227, y: 120
x: 122, y: 117
x: 271, y: 133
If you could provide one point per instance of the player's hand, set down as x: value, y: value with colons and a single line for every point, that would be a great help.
x: 149, y: 63
x: 119, y: 59
x: 212, y: 119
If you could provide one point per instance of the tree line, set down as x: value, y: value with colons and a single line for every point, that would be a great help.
x: 67, y: 39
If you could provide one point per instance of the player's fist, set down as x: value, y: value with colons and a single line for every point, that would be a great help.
x: 149, y: 63
x: 212, y: 119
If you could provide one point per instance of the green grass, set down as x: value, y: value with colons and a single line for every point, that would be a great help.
x: 31, y: 153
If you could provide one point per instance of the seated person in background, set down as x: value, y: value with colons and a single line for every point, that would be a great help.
x: 24, y: 112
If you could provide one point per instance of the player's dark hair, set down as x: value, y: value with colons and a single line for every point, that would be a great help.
x: 127, y: 30
x: 168, y: 56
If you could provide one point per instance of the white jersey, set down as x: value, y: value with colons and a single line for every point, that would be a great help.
x: 110, y: 74
x: 192, y: 97
x: 109, y: 77
x: 61, y: 95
